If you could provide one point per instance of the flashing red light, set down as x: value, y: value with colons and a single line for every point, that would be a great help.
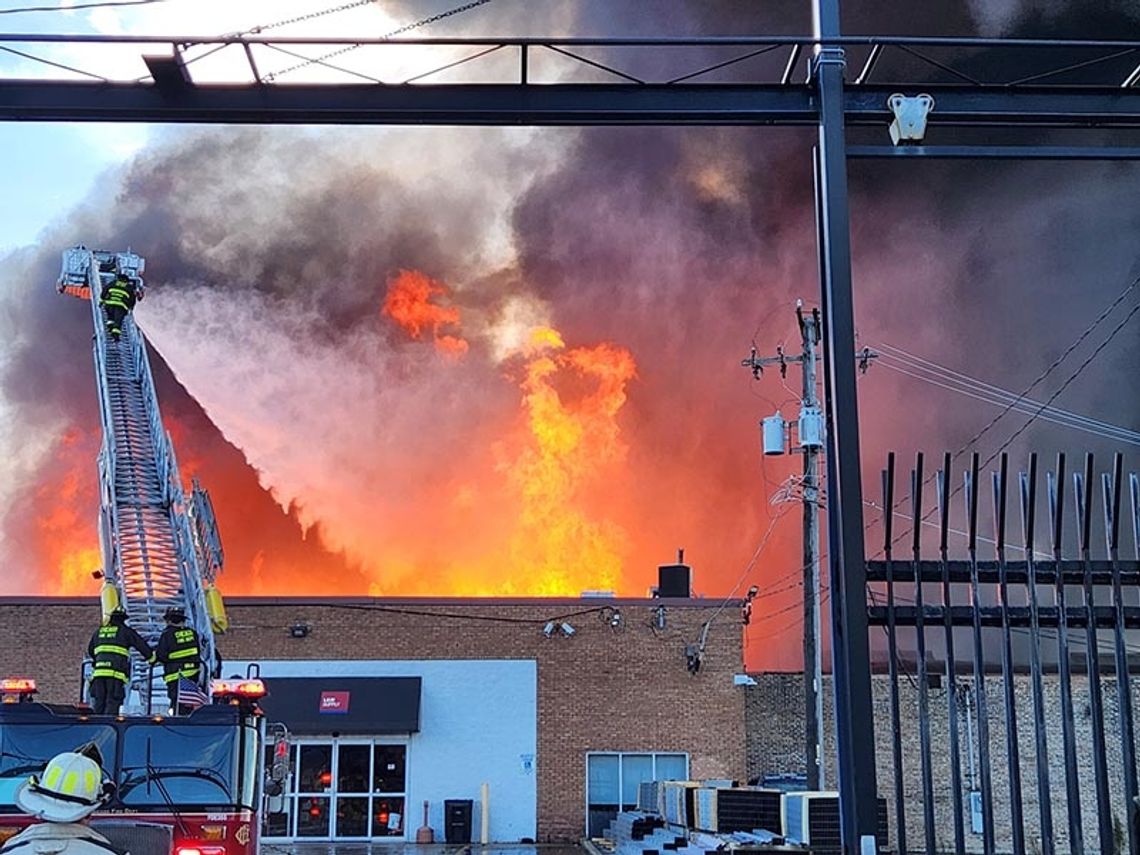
x: 326, y: 779
x: 281, y: 749
x: 196, y: 849
x: 314, y: 811
x: 247, y: 689
x: 18, y: 685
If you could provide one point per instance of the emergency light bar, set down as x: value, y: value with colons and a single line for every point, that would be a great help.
x: 244, y: 689
x: 13, y: 690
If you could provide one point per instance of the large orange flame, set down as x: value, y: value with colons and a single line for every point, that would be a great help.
x: 558, y: 546
x: 65, y: 537
x: 409, y: 303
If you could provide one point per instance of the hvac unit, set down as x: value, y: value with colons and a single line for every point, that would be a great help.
x: 812, y: 819
x: 724, y: 811
x: 677, y: 797
x: 674, y: 580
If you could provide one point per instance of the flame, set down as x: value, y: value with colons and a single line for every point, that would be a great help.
x: 75, y: 569
x: 409, y: 303
x: 63, y: 535
x: 576, y: 446
x: 543, y: 491
x: 529, y: 524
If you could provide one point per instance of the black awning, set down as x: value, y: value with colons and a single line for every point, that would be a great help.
x: 344, y: 704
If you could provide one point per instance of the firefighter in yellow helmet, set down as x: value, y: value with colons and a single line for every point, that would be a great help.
x: 70, y: 789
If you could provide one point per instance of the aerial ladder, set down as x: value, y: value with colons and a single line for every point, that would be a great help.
x: 160, y: 548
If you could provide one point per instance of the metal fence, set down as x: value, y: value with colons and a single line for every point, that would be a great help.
x: 1058, y: 773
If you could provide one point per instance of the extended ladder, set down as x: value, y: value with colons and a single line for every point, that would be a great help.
x: 158, y: 549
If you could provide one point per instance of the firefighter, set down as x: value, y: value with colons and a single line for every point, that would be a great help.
x: 179, y: 652
x: 117, y: 300
x: 110, y: 648
x: 70, y: 789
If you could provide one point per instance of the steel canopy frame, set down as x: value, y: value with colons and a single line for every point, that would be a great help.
x: 820, y: 97
x: 566, y: 104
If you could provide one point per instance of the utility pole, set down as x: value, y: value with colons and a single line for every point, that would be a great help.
x: 813, y: 659
x: 811, y: 439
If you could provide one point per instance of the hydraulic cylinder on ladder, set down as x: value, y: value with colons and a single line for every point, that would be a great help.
x: 159, y: 549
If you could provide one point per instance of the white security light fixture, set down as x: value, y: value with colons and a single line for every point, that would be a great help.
x: 567, y: 630
x: 742, y: 680
x: 548, y: 630
x: 910, y: 112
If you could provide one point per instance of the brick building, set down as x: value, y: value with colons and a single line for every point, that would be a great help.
x: 561, y: 724
x: 777, y: 749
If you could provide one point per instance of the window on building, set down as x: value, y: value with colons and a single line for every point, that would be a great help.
x: 614, y: 777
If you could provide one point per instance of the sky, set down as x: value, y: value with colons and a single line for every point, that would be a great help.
x: 49, y: 166
x: 507, y: 360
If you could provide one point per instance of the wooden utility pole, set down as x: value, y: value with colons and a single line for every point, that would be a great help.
x: 810, y: 441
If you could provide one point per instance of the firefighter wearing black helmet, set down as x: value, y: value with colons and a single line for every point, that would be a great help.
x: 180, y: 653
x: 110, y: 649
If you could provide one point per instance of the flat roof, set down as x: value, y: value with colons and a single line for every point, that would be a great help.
x: 476, y: 602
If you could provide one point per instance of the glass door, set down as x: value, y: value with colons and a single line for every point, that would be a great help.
x: 314, y: 789
x: 343, y: 789
x: 353, y: 773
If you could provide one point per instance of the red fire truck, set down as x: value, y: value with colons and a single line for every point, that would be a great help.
x: 184, y: 785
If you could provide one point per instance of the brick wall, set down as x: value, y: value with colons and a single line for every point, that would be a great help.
x: 773, y: 749
x: 624, y: 690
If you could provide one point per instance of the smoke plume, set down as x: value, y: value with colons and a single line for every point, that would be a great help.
x: 508, y: 361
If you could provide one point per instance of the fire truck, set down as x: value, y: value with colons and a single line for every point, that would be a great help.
x: 180, y: 785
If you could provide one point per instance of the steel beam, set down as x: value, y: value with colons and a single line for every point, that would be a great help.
x: 851, y: 658
x: 996, y: 152
x: 555, y: 104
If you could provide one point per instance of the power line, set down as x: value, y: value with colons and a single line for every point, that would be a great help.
x: 944, y: 378
x: 747, y: 570
x: 934, y: 367
x: 1040, y: 377
x: 423, y: 22
x: 1080, y: 368
x: 103, y: 4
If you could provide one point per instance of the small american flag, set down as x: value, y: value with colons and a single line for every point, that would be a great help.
x: 190, y: 694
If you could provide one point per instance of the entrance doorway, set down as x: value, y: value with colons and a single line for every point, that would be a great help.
x: 344, y: 789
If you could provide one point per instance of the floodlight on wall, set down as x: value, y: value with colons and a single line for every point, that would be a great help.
x: 548, y: 630
x: 299, y: 630
x: 567, y: 630
x: 693, y: 658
